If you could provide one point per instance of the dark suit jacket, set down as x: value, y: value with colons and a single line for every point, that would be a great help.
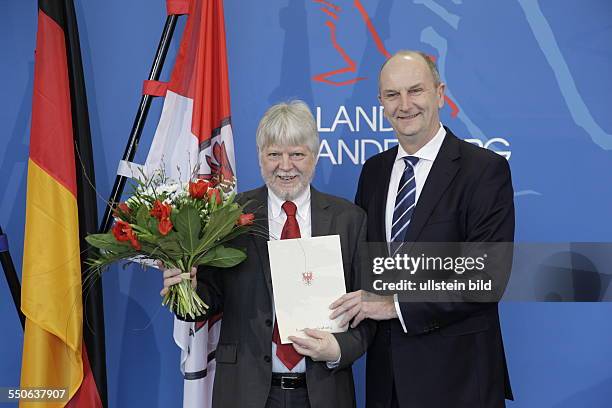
x: 452, y: 355
x: 244, y: 295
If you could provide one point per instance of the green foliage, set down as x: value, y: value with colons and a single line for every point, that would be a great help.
x: 107, y: 242
x: 170, y: 245
x: 222, y: 257
x: 142, y: 215
x: 220, y: 224
x: 188, y: 227
x: 199, y: 227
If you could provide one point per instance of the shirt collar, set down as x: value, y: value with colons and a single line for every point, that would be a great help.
x: 427, y: 152
x: 302, y: 201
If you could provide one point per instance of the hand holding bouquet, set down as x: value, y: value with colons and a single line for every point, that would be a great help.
x: 183, y: 226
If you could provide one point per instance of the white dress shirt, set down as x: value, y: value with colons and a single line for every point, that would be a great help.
x: 276, y: 221
x: 426, y: 154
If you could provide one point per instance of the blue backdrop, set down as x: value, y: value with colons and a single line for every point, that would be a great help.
x: 529, y: 79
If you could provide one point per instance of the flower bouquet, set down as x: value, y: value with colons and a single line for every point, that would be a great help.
x: 183, y: 225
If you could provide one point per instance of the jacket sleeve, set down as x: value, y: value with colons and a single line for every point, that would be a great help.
x: 360, y: 200
x: 355, y: 341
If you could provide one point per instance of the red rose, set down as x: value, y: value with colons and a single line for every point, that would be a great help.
x: 122, y: 209
x: 122, y: 231
x: 214, y: 192
x: 245, y: 219
x: 160, y: 210
x: 165, y: 226
x: 198, y: 189
x: 134, y: 242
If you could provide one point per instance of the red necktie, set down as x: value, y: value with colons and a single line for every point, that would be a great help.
x: 285, y: 352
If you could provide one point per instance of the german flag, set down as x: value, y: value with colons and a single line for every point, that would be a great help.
x: 60, y: 211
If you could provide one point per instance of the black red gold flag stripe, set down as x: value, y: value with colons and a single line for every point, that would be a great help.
x: 59, y: 351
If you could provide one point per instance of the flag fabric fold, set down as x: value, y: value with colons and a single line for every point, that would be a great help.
x: 59, y: 211
x: 195, y: 131
x: 195, y: 124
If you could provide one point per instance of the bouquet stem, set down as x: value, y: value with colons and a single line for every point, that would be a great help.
x: 183, y: 300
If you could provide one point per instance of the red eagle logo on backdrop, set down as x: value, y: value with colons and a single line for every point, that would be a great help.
x: 333, y: 11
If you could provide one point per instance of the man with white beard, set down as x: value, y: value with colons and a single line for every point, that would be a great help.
x: 253, y: 368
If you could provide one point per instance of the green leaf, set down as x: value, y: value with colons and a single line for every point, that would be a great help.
x: 144, y: 235
x: 220, y: 224
x: 222, y: 257
x: 153, y: 226
x: 239, y: 230
x: 142, y: 216
x: 187, y: 224
x: 107, y: 242
x: 170, y: 246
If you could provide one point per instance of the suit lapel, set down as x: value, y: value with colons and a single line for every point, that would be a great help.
x: 260, y: 201
x: 381, y: 197
x: 320, y: 219
x: 442, y: 172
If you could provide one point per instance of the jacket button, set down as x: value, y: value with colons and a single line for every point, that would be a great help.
x: 268, y: 322
x: 267, y: 359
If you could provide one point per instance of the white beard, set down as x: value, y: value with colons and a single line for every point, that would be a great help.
x: 291, y: 194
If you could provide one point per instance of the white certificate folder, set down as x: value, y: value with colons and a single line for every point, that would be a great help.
x: 307, y: 276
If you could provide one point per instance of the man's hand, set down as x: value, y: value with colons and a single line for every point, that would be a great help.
x: 320, y: 346
x: 174, y: 276
x: 363, y: 305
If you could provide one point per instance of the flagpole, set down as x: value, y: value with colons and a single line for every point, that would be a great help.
x: 11, y: 275
x: 139, y: 120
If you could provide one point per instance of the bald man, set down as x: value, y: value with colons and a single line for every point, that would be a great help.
x: 432, y: 187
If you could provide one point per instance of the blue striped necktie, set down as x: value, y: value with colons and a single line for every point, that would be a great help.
x: 404, y: 201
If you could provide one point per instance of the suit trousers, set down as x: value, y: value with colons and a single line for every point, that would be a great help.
x: 394, y: 402
x: 279, y: 398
